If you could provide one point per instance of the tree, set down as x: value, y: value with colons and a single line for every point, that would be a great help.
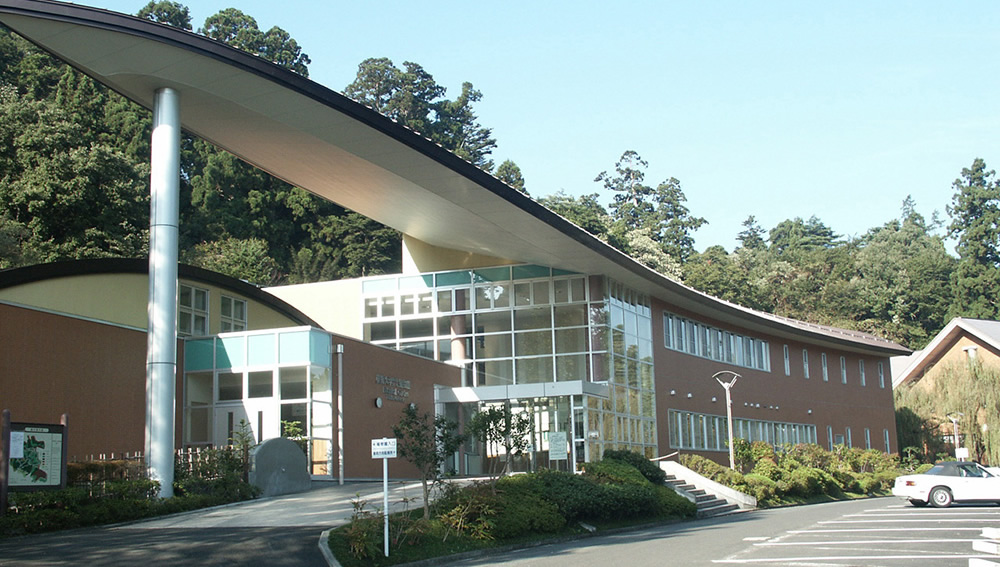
x: 498, y: 426
x: 630, y: 195
x: 975, y: 213
x: 796, y: 235
x: 510, y: 174
x: 584, y: 211
x: 903, y: 279
x: 165, y: 12
x: 752, y: 235
x: 245, y: 259
x: 412, y: 98
x: 426, y: 441
x: 75, y: 197
x: 233, y: 27
x: 659, y: 212
x: 715, y: 273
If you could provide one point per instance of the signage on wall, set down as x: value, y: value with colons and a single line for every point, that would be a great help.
x: 395, y: 389
x: 557, y: 445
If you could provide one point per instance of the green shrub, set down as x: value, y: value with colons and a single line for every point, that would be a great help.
x: 760, y: 487
x: 767, y: 467
x: 470, y: 511
x: 669, y: 503
x: 610, y: 471
x: 806, y: 482
x: 648, y: 468
x: 519, y: 514
x: 574, y: 495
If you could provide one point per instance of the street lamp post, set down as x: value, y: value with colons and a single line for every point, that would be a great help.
x: 727, y: 386
x: 954, y: 416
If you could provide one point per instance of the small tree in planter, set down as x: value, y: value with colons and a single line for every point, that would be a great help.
x: 498, y: 426
x: 427, y: 442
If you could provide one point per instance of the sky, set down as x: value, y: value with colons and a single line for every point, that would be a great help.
x: 838, y: 110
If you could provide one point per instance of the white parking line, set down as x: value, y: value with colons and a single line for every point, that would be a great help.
x: 908, y: 529
x: 914, y: 520
x: 811, y: 560
x: 862, y: 541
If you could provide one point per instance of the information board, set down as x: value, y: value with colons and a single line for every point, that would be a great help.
x: 557, y: 446
x: 383, y: 448
x: 36, y: 453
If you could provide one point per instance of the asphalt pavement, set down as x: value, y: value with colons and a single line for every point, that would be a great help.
x: 279, y: 531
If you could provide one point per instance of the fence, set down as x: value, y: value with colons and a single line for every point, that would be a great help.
x: 203, y: 462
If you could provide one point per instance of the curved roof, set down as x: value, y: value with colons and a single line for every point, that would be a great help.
x: 317, y: 139
x: 54, y: 270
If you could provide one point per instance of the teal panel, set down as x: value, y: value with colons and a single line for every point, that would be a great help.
x: 260, y: 350
x: 425, y: 281
x: 525, y: 272
x: 558, y: 272
x: 462, y: 277
x: 230, y: 352
x: 492, y: 275
x: 319, y: 351
x: 198, y: 354
x: 293, y: 347
x: 381, y: 285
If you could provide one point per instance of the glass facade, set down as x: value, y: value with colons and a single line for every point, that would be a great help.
x: 264, y: 382
x: 526, y: 324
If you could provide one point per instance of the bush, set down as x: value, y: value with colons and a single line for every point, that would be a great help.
x: 760, y: 487
x: 767, y: 467
x: 610, y: 471
x: 648, y: 468
x: 522, y: 514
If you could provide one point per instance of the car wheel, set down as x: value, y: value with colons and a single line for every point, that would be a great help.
x: 940, y: 497
x: 918, y: 503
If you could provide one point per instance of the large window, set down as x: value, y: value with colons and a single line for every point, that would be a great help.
x: 805, y: 363
x: 826, y: 372
x: 861, y: 371
x: 706, y: 432
x: 691, y: 337
x: 843, y: 370
x: 192, y: 311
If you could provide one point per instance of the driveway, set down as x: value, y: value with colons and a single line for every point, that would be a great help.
x: 275, y: 531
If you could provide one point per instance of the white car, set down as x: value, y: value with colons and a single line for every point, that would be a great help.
x: 948, y: 482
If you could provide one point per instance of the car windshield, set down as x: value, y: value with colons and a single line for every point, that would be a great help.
x: 942, y: 470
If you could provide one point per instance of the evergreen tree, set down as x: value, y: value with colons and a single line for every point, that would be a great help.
x: 975, y: 214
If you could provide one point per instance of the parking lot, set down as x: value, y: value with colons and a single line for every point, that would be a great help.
x: 887, y: 532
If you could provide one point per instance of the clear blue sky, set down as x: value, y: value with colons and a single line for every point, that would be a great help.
x: 772, y: 109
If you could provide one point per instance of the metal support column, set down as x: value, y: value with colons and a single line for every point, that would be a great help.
x: 161, y: 354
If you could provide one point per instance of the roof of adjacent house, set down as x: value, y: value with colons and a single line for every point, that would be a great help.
x: 321, y: 141
x: 69, y: 268
x: 906, y: 369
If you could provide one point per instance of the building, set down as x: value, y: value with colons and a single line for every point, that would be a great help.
x: 958, y: 343
x: 74, y: 336
x: 527, y: 308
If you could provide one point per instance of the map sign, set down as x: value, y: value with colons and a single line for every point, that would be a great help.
x: 36, y: 456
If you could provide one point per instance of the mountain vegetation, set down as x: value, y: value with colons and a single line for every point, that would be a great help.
x: 74, y: 184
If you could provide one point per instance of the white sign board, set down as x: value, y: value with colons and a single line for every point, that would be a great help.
x: 962, y: 453
x: 383, y: 448
x: 557, y: 445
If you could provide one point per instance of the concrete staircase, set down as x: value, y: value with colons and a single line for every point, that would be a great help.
x: 708, y: 504
x: 711, y: 498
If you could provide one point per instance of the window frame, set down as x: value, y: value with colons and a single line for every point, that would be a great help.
x: 191, y: 312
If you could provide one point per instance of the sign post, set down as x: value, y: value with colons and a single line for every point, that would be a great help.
x: 385, y: 449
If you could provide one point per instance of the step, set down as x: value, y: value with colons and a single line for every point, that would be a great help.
x: 717, y: 510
